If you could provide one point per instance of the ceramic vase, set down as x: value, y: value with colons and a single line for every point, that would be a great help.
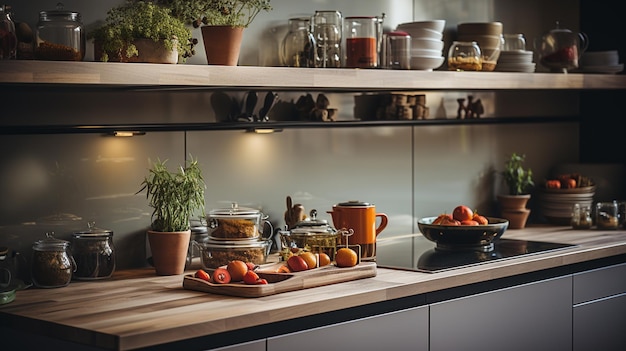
x: 513, y: 208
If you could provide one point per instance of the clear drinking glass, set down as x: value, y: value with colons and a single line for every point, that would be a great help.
x: 298, y: 46
x: 327, y: 28
x: 514, y: 42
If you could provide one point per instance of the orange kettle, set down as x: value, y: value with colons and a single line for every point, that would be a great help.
x: 361, y: 218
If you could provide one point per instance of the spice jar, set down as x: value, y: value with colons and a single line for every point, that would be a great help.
x: 581, y: 217
x: 52, y: 264
x: 60, y: 36
x: 94, y: 253
x: 607, y: 215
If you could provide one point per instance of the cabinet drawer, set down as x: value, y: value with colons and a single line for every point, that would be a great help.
x: 599, y: 283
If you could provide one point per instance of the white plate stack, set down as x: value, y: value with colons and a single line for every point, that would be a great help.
x: 601, y: 62
x: 426, y: 43
x: 516, y: 61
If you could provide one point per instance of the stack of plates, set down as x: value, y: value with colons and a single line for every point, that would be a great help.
x: 516, y: 61
x: 426, y: 43
x: 556, y: 204
x: 488, y: 35
x: 601, y: 62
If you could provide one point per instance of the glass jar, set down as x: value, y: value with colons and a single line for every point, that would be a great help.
x: 607, y: 216
x: 327, y: 28
x: 465, y: 56
x: 52, y: 263
x: 60, y: 36
x: 298, y: 46
x: 581, y: 217
x: 396, y: 50
x: 94, y: 253
x: 8, y: 38
x: 199, y: 234
x: 361, y: 42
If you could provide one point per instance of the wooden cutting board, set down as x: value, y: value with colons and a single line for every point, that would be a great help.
x: 283, y: 282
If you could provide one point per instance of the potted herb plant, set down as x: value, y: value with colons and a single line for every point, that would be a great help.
x: 519, y: 181
x: 175, y: 197
x: 142, y: 31
x: 222, y: 23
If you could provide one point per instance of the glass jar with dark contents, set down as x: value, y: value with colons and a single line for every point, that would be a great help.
x: 60, y: 35
x: 94, y: 253
x: 52, y: 264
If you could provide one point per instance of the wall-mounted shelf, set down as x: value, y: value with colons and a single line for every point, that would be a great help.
x: 251, y: 126
x: 172, y: 77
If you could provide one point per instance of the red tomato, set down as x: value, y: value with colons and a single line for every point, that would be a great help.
x: 462, y: 213
x: 481, y: 220
x: 568, y: 183
x: 297, y: 264
x: 250, y: 277
x: 553, y: 184
x: 261, y: 281
x: 251, y: 266
x: 221, y: 276
x: 442, y: 217
x: 201, y: 274
x: 449, y: 221
x: 469, y: 222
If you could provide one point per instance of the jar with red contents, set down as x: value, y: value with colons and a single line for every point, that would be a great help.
x: 361, y: 35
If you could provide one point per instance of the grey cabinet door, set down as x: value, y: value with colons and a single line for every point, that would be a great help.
x: 257, y: 345
x: 535, y: 316
x: 402, y: 330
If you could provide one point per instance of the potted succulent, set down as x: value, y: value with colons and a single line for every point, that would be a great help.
x: 222, y: 23
x: 175, y: 197
x: 519, y: 181
x: 142, y: 31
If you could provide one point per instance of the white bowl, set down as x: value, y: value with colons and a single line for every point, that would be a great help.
x: 425, y: 52
x: 426, y: 62
x: 600, y: 58
x: 426, y: 44
x: 423, y: 33
x: 515, y: 57
x: 436, y: 25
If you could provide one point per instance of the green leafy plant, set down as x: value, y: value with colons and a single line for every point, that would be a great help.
x: 234, y: 13
x: 141, y: 20
x: 174, y: 196
x: 515, y: 176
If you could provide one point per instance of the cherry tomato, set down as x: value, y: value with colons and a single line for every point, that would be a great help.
x: 221, y: 276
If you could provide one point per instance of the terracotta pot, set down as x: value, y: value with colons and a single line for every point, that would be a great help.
x: 169, y: 251
x: 513, y: 208
x: 149, y: 52
x: 222, y: 44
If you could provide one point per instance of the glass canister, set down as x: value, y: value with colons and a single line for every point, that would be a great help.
x: 8, y: 38
x: 581, y: 217
x: 199, y: 234
x: 361, y: 35
x: 327, y: 30
x: 465, y: 56
x: 396, y: 50
x: 60, y: 36
x: 298, y: 46
x: 94, y: 253
x: 607, y: 215
x: 52, y: 264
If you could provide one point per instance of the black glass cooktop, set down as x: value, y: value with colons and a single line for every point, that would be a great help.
x: 426, y: 257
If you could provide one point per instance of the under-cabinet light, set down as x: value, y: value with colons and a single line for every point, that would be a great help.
x: 127, y: 133
x: 264, y: 130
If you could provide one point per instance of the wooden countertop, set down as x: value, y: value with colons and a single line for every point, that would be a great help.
x: 136, y: 308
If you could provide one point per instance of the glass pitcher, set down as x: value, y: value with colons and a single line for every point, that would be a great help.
x: 559, y: 49
x: 298, y: 46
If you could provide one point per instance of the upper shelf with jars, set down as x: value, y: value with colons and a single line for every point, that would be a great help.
x: 186, y: 76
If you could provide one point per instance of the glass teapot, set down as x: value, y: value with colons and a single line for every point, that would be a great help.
x: 559, y: 49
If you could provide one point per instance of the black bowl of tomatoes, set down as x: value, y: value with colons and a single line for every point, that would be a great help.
x: 450, y: 235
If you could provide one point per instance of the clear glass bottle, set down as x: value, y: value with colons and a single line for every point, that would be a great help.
x: 60, y: 36
x: 327, y: 29
x: 298, y: 46
x: 8, y: 38
x: 52, y: 264
x: 94, y: 253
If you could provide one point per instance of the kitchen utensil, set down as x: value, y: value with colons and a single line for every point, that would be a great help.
x: 360, y: 217
x: 270, y: 100
x: 560, y: 49
x: 463, y: 237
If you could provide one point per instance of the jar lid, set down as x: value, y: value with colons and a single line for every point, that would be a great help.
x: 235, y: 211
x: 93, y: 231
x: 312, y: 224
x: 59, y: 14
x: 354, y: 203
x: 235, y: 244
x: 50, y: 243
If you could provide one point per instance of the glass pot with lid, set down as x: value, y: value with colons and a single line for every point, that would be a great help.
x: 52, y: 264
x: 237, y: 223
x: 559, y: 49
x: 94, y: 253
x: 60, y: 35
x: 311, y: 234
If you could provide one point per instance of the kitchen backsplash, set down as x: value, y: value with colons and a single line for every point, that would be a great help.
x: 56, y: 183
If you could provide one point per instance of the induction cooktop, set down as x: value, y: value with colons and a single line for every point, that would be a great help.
x: 426, y: 257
